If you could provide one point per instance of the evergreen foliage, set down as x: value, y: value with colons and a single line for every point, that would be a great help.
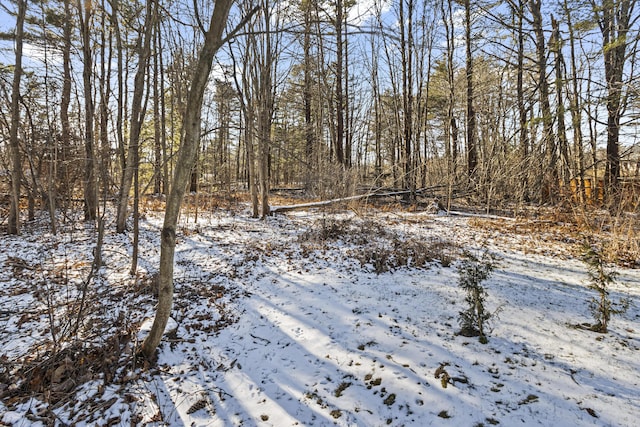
x: 472, y: 271
x: 600, y: 279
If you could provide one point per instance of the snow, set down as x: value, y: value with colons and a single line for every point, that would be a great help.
x: 276, y: 324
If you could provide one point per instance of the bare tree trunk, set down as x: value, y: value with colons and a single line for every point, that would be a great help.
x: 377, y: 116
x: 137, y: 116
x: 613, y: 17
x: 406, y: 52
x: 48, y: 196
x: 105, y: 91
x: 16, y: 158
x: 348, y: 111
x: 339, y: 93
x: 157, y: 129
x: 575, y: 107
x: 186, y: 159
x: 306, y: 95
x: 264, y: 130
x: 265, y: 54
x: 548, y: 137
x: 472, y: 156
x: 85, y: 13
x: 451, y: 127
x: 163, y: 132
x: 522, y: 110
x: 247, y: 102
x: 555, y: 45
x: 251, y: 161
x: 65, y: 100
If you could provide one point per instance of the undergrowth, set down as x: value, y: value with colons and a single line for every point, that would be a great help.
x: 600, y: 280
x: 472, y: 271
x: 618, y: 234
x: 374, y: 245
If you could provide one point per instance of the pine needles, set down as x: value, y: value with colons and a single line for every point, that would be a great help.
x: 600, y: 279
x: 472, y: 271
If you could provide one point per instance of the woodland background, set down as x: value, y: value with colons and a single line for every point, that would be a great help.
x: 504, y: 103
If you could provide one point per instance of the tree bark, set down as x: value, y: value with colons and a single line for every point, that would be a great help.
x: 65, y: 101
x: 406, y: 52
x: 137, y: 117
x: 306, y: 95
x: 339, y: 93
x: 472, y: 155
x: 16, y: 158
x: 550, y: 181
x: 555, y: 45
x: 575, y: 106
x: 450, y: 124
x: 522, y: 110
x: 85, y: 13
x: 613, y: 17
x: 186, y: 158
x: 158, y: 91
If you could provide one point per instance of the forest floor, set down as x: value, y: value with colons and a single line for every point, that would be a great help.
x: 313, y: 318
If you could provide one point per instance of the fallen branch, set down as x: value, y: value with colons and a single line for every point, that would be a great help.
x: 480, y: 215
x: 287, y: 208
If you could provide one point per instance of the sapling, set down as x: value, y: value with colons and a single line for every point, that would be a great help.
x: 600, y: 278
x: 472, y: 271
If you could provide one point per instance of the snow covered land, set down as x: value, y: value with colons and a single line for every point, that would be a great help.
x: 313, y: 318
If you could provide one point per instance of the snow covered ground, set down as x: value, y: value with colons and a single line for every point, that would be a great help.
x: 286, y: 322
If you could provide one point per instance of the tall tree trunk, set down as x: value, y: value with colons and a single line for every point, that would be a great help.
x: 348, y: 112
x: 548, y: 138
x: 472, y: 155
x: 157, y: 125
x: 105, y: 90
x: 574, y: 105
x: 248, y: 104
x: 119, y: 129
x: 186, y: 159
x: 65, y: 101
x: 339, y: 92
x: 265, y: 114
x: 406, y: 53
x: 451, y: 127
x: 613, y: 17
x: 137, y: 116
x: 85, y: 14
x: 16, y: 158
x: 163, y: 131
x: 555, y: 45
x: 264, y: 140
x: 377, y: 115
x: 251, y: 161
x: 522, y: 110
x: 306, y: 95
x: 52, y: 147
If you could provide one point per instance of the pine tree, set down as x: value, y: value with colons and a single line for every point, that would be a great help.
x: 472, y: 271
x: 600, y: 278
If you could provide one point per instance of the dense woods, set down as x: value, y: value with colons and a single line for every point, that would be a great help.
x: 518, y: 102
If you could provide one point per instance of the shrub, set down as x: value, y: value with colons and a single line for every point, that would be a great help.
x: 472, y: 272
x: 600, y: 278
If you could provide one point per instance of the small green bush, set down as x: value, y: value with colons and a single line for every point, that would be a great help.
x: 472, y: 271
x: 600, y: 278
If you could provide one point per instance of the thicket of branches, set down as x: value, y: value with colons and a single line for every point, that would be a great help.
x: 521, y: 101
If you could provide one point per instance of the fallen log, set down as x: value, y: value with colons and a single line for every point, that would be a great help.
x: 287, y: 208
x: 374, y: 194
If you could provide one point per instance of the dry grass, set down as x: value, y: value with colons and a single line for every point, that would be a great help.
x: 619, y: 235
